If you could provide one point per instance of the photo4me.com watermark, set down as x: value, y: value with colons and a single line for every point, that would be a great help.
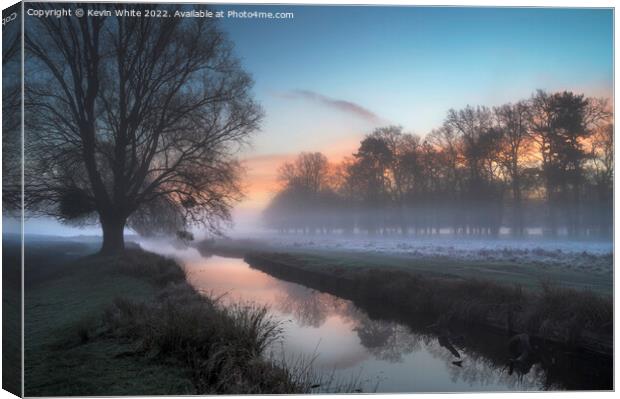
x: 157, y: 13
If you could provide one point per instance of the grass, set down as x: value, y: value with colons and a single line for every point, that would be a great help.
x: 578, y: 318
x: 528, y: 275
x: 131, y: 325
x: 11, y: 321
x: 58, y: 361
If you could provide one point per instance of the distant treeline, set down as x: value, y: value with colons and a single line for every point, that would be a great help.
x: 544, y: 163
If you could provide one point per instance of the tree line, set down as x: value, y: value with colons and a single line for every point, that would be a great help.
x: 543, y: 165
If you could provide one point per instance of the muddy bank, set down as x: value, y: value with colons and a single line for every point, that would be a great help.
x: 569, y: 337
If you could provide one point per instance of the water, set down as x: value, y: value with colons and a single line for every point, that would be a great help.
x: 381, y: 355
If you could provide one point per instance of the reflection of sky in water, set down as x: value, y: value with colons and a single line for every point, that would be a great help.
x: 343, y: 338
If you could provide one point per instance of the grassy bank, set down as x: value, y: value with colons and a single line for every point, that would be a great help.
x: 131, y: 325
x: 527, y: 274
x: 11, y: 317
x: 579, y: 319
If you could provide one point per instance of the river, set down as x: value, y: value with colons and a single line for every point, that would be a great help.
x: 344, y: 343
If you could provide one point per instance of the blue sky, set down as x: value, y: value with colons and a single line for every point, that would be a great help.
x: 409, y: 65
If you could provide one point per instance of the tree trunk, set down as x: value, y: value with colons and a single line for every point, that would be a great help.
x: 517, y: 222
x: 552, y: 227
x: 113, y: 238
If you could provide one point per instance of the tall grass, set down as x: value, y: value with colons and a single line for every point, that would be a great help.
x: 221, y: 346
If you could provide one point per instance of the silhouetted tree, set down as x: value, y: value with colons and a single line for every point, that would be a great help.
x: 444, y: 148
x: 562, y: 122
x: 309, y: 173
x: 514, y: 125
x: 370, y: 178
x: 11, y: 117
x: 127, y: 112
x: 602, y: 166
x: 306, y: 195
x: 478, y: 143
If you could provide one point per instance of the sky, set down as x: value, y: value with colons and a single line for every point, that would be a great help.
x: 334, y: 73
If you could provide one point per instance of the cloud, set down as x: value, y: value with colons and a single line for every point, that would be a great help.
x: 341, y: 105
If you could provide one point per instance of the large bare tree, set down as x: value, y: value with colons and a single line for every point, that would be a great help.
x: 11, y: 115
x: 128, y: 116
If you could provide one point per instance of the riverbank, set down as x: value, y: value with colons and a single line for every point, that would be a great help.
x: 132, y: 325
x: 528, y: 263
x: 581, y: 321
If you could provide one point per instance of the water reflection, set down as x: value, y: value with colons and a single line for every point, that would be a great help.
x: 347, y: 341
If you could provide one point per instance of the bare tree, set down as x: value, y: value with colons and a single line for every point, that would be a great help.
x: 11, y: 116
x: 542, y: 127
x: 306, y: 195
x: 370, y: 176
x: 602, y: 163
x: 127, y: 112
x: 309, y: 173
x: 478, y: 152
x: 561, y: 124
x: 471, y: 124
x: 513, y: 121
